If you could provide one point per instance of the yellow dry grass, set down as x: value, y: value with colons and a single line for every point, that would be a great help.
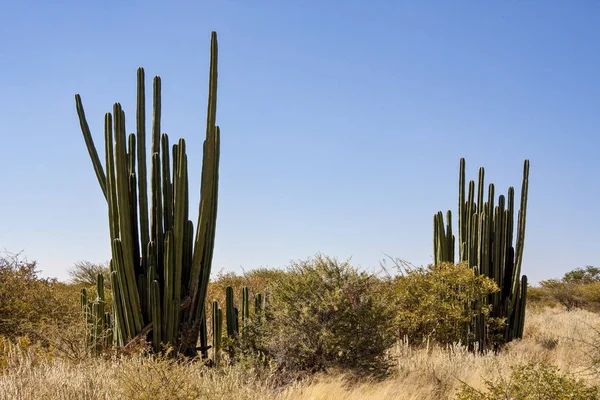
x: 553, y: 336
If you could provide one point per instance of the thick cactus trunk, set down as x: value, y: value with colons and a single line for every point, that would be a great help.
x: 159, y: 271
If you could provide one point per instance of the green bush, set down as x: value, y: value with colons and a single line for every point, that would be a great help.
x: 438, y: 302
x: 324, y: 313
x: 532, y: 382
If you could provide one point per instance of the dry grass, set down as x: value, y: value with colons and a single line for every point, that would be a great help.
x: 551, y: 336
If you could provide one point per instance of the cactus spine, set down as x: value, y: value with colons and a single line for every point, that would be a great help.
x: 160, y: 268
x: 485, y: 241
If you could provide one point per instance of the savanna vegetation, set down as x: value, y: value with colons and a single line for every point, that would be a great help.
x: 391, y: 335
x: 151, y: 324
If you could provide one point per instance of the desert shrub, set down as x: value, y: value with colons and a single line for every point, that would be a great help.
x: 438, y: 302
x: 568, y: 294
x: 579, y: 288
x: 29, y: 303
x: 532, y: 381
x: 591, y: 296
x: 326, y: 314
x: 574, y: 295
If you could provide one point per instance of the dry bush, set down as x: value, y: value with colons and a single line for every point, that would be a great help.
x: 540, y: 298
x: 579, y: 288
x: 29, y: 304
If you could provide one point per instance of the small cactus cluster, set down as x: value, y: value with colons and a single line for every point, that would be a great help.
x: 99, y: 329
x: 486, y: 233
x: 159, y: 268
x: 232, y: 318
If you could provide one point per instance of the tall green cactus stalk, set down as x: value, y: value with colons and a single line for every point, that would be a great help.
x: 443, y: 239
x: 486, y: 233
x: 160, y: 267
x: 203, y: 337
x: 245, y: 308
x: 258, y: 305
x: 217, y: 329
x: 231, y: 313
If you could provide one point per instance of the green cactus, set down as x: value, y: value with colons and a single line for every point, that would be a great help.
x: 245, y: 308
x: 231, y: 313
x: 204, y: 337
x: 99, y: 330
x: 485, y: 241
x: 160, y: 267
x: 258, y: 304
x: 217, y: 326
x: 443, y: 239
x: 108, y: 328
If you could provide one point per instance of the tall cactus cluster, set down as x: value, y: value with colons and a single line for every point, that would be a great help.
x: 486, y: 232
x: 160, y: 267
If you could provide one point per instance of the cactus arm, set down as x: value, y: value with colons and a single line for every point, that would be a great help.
x: 520, y: 244
x: 167, y: 191
x: 141, y: 154
x: 204, y: 242
x: 89, y: 143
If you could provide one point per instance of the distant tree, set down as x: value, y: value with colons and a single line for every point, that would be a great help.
x: 86, y: 273
x: 588, y: 274
x: 569, y: 294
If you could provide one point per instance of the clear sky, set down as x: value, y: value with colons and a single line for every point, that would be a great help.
x: 342, y: 122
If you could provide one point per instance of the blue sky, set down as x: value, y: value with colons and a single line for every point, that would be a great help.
x: 342, y: 122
